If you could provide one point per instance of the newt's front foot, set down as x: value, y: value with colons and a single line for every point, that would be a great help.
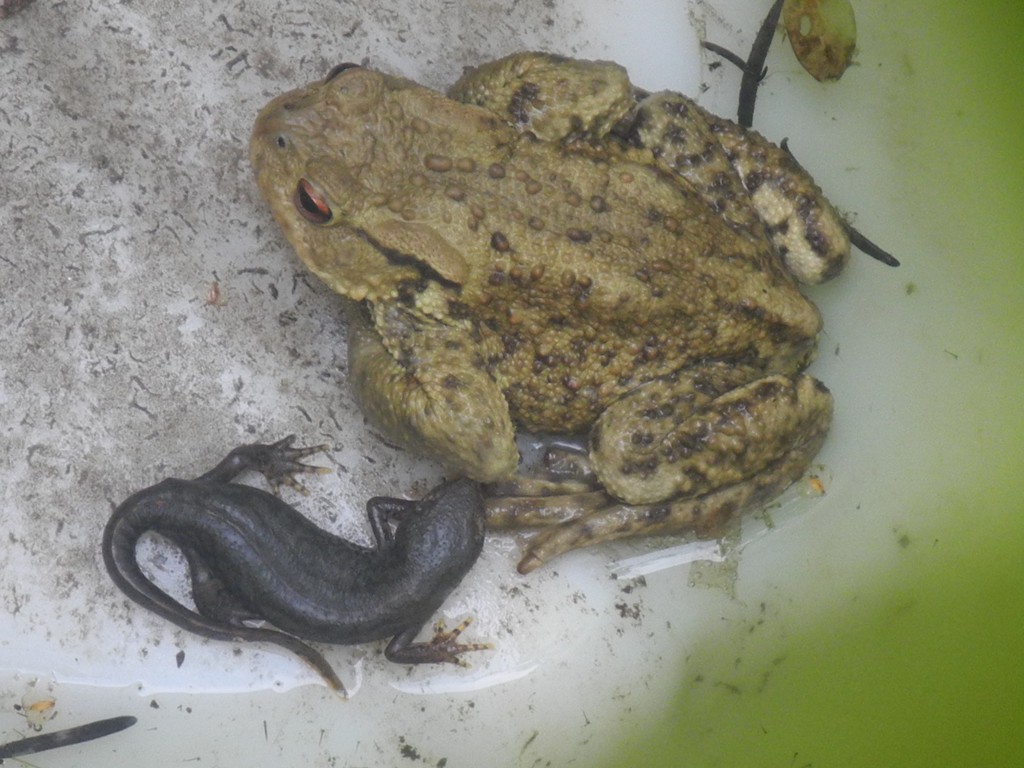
x: 278, y: 462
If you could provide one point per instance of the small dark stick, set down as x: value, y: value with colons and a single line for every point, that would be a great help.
x: 753, y: 67
x: 753, y: 72
x: 66, y: 737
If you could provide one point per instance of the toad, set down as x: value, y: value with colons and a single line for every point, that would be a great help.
x: 548, y: 248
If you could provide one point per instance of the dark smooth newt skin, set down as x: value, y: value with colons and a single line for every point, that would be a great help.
x: 251, y: 556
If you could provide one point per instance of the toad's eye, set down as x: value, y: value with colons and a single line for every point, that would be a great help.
x: 311, y: 204
x: 337, y: 70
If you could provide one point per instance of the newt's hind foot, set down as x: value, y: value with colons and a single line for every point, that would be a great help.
x: 443, y: 647
x: 446, y: 644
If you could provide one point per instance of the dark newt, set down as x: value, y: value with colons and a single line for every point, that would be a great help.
x: 253, y: 557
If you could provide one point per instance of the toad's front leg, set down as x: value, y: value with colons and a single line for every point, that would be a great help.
x: 426, y: 387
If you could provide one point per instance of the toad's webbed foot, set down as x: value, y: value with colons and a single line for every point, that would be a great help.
x: 444, y: 647
x: 706, y: 515
x: 278, y: 462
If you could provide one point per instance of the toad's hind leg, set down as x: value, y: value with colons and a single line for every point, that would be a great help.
x: 552, y: 97
x: 704, y: 515
x: 757, y: 186
x: 679, y: 454
x: 808, y: 233
x: 677, y: 132
x: 679, y: 439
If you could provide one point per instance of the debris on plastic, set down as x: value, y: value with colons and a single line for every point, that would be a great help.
x: 823, y: 34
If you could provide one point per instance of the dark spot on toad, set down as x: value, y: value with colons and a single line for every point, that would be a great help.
x: 522, y: 100
x: 439, y: 163
x: 499, y: 242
